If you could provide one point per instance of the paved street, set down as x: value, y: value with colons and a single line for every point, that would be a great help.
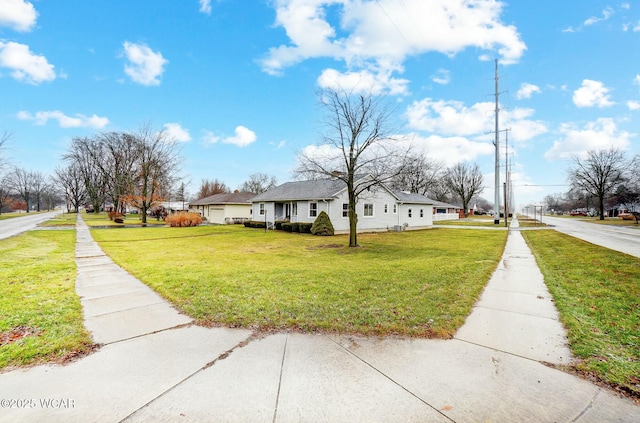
x: 26, y: 222
x: 618, y: 238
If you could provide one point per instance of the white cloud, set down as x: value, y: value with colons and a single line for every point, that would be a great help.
x: 527, y: 90
x: 363, y: 81
x: 243, y: 137
x: 606, y: 14
x: 451, y: 150
x: 176, y: 132
x: 577, y: 141
x: 636, y: 80
x: 453, y: 118
x: 279, y: 145
x: 24, y: 65
x: 77, y: 121
x: 145, y: 66
x: 205, y: 6
x: 385, y: 32
x: 633, y: 105
x: 19, y: 15
x: 442, y: 77
x: 592, y: 93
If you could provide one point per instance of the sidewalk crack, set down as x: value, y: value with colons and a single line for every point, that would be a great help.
x: 393, y: 381
x: 587, y: 407
x: 221, y: 357
x: 284, y: 353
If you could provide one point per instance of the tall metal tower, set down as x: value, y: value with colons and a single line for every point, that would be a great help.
x: 496, y: 143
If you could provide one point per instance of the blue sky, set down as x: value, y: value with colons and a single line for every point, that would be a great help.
x: 235, y: 81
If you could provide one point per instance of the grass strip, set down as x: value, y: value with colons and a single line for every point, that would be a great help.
x: 414, y: 283
x: 40, y: 313
x: 597, y: 292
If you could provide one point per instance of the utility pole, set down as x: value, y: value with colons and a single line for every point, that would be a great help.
x: 507, y: 178
x: 496, y: 143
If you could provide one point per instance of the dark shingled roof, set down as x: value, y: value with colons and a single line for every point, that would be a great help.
x: 225, y: 198
x: 320, y: 189
x: 324, y: 189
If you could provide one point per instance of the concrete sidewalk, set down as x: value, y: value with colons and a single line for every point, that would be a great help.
x: 170, y: 372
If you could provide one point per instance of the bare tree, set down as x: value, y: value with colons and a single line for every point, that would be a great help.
x: 116, y: 164
x: 211, y: 187
x: 85, y: 154
x: 600, y: 174
x: 357, y: 142
x: 20, y: 182
x: 464, y: 181
x: 70, y: 181
x: 38, y: 187
x: 258, y: 183
x: 5, y: 192
x: 4, y: 138
x: 419, y: 175
x: 155, y: 169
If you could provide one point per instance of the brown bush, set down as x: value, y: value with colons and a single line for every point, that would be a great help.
x: 183, y: 219
x: 116, y: 216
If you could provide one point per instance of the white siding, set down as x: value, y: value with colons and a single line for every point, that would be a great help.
x: 379, y: 221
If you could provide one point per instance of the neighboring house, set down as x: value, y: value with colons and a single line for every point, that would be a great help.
x: 226, y: 208
x: 446, y: 211
x: 378, y: 208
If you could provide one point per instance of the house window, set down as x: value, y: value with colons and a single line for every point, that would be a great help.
x: 395, y: 208
x: 421, y: 213
x: 294, y: 209
x: 368, y: 210
x: 386, y: 208
x: 313, y: 209
x: 261, y: 209
x: 409, y: 212
x: 345, y: 210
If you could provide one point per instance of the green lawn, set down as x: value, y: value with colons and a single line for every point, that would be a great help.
x: 40, y: 313
x: 61, y: 220
x: 415, y: 283
x: 597, y: 292
x: 102, y: 219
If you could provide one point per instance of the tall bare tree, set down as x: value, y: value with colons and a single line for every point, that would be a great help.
x: 600, y: 174
x: 86, y: 153
x: 5, y: 192
x: 155, y: 170
x: 464, y: 180
x: 419, y: 175
x: 258, y: 183
x: 70, y: 182
x: 20, y: 182
x: 39, y: 186
x: 4, y: 138
x: 357, y: 142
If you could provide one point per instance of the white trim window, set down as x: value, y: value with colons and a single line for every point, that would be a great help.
x: 261, y: 205
x: 421, y: 213
x: 395, y: 209
x: 409, y: 213
x: 386, y: 208
x: 345, y: 209
x: 294, y: 209
x: 368, y: 210
x: 313, y: 209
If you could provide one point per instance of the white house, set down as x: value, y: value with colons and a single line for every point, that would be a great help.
x: 378, y: 208
x: 226, y: 208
